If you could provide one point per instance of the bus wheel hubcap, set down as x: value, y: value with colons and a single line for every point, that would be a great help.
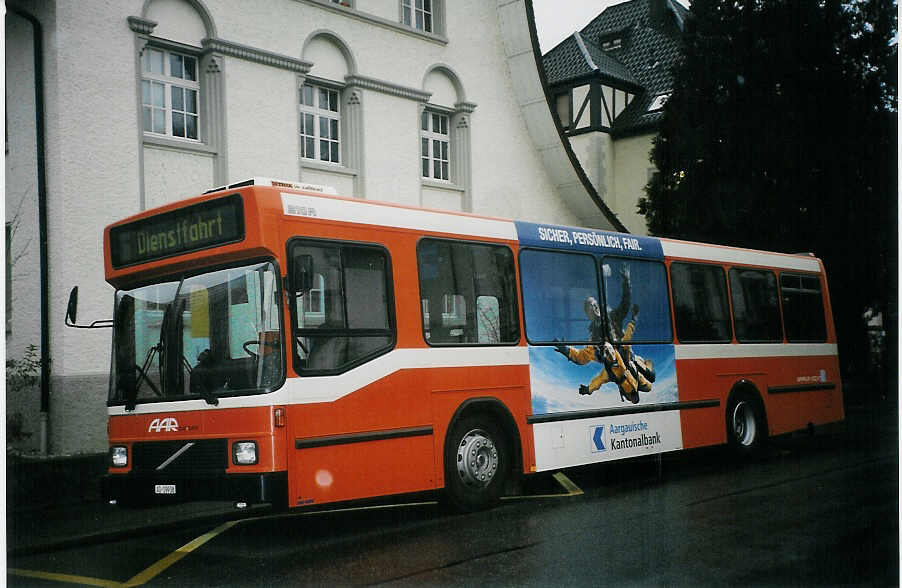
x: 744, y: 423
x: 477, y: 459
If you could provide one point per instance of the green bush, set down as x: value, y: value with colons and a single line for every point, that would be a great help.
x: 22, y: 375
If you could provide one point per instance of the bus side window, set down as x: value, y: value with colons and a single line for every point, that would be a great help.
x: 558, y: 288
x: 636, y: 301
x: 756, y: 312
x: 344, y: 319
x: 701, y: 311
x: 803, y: 308
x: 467, y: 293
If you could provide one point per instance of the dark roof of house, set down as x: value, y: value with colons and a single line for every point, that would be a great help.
x: 575, y: 58
x: 649, y: 47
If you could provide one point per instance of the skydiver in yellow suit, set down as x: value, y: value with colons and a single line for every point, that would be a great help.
x: 629, y: 371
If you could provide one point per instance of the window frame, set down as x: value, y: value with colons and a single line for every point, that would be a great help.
x: 292, y: 329
x: 728, y: 306
x: 428, y: 138
x: 667, y: 294
x: 169, y: 82
x: 318, y: 114
x: 515, y: 296
x: 409, y: 12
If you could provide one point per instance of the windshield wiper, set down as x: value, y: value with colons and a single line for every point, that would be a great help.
x: 142, y: 372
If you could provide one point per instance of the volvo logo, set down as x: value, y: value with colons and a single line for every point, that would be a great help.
x: 160, y: 425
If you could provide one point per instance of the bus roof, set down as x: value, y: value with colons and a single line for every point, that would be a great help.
x: 296, y: 200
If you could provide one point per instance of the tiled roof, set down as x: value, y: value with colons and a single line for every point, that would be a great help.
x: 636, y: 116
x: 650, y: 54
x: 575, y: 57
x: 565, y: 62
x: 608, y: 64
x: 643, y: 62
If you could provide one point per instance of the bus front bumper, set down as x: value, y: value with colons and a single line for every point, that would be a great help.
x: 138, y: 489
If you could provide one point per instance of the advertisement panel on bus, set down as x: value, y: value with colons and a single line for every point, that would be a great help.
x: 601, y: 355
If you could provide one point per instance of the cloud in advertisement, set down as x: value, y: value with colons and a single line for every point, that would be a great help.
x: 555, y: 381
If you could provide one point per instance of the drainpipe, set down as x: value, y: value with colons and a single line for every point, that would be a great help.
x: 42, y: 223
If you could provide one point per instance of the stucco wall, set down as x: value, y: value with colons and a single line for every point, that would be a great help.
x: 441, y: 198
x: 631, y: 165
x: 387, y: 9
x: 392, y: 171
x: 589, y: 149
x: 261, y: 110
x: 595, y: 152
x: 618, y: 170
x: 172, y: 175
x: 22, y: 188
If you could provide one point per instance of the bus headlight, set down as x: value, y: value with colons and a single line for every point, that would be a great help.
x: 244, y: 452
x: 118, y: 456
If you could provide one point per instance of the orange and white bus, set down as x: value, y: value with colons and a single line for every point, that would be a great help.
x: 273, y: 343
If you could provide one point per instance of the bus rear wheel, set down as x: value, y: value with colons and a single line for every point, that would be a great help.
x: 477, y: 463
x: 746, y: 429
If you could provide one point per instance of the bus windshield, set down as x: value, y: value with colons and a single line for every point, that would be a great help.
x: 201, y: 336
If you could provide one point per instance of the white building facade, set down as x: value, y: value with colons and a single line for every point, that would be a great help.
x: 118, y: 106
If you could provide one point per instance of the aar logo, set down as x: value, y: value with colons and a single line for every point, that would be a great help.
x: 598, y: 439
x: 160, y: 425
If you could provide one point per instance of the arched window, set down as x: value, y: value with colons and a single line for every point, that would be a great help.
x: 180, y: 80
x: 444, y: 129
x: 329, y: 115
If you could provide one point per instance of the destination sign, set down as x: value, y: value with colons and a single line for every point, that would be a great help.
x: 200, y: 226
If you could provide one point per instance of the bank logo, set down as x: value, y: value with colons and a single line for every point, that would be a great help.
x: 161, y: 425
x: 598, y: 439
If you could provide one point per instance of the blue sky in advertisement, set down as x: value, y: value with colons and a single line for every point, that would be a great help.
x: 555, y: 381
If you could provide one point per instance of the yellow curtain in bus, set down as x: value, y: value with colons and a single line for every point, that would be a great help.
x: 200, y: 314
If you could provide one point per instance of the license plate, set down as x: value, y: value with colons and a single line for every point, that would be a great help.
x: 164, y: 489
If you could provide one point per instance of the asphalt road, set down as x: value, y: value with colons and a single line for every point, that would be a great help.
x: 820, y: 510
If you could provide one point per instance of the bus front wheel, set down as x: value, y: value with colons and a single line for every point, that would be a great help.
x: 477, y: 463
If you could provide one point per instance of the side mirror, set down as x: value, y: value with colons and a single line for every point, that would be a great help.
x: 301, y: 274
x: 72, y: 314
x: 72, y: 308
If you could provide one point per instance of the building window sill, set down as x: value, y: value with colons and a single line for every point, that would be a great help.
x: 176, y: 145
x: 333, y: 168
x: 439, y: 185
